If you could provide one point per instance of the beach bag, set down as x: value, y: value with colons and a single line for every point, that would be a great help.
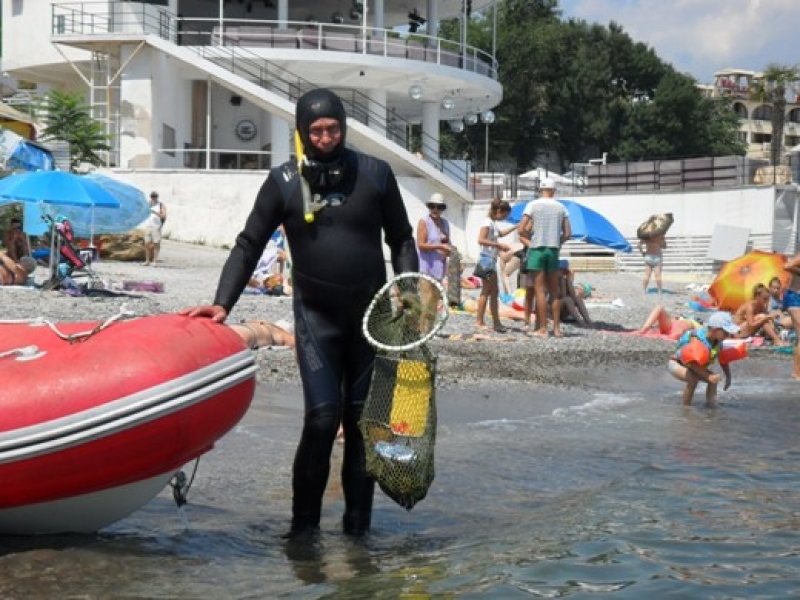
x: 398, y: 424
x: 655, y: 226
x: 454, y: 277
x: 523, y: 260
x: 485, y: 266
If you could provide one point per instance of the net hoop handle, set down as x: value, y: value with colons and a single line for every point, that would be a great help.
x: 439, y: 321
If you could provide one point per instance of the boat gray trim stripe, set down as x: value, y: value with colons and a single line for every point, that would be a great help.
x: 127, y: 412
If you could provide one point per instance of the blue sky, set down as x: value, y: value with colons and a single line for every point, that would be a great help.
x: 700, y: 37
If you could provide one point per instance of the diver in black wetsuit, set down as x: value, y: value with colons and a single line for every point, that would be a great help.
x: 334, y: 230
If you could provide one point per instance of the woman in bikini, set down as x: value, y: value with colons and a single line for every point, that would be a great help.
x: 652, y: 250
x: 672, y: 327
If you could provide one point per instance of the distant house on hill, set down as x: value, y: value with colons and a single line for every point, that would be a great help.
x: 755, y: 115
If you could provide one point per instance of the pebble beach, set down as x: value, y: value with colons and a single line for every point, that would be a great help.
x: 188, y: 274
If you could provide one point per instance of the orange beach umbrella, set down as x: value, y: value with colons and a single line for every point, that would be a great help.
x: 733, y: 285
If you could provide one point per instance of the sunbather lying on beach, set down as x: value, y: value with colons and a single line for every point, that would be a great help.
x: 258, y: 334
x: 505, y: 311
x: 671, y: 327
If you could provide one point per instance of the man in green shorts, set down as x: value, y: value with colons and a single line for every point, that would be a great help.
x: 548, y: 219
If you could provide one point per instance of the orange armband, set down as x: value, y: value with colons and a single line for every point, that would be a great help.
x: 695, y: 351
x: 732, y: 350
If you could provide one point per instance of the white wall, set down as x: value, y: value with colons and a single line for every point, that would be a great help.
x: 174, y: 111
x: 226, y: 116
x: 695, y: 212
x: 207, y: 207
x: 137, y: 119
x: 211, y: 207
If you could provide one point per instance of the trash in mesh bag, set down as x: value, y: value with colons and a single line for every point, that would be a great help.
x: 399, y: 425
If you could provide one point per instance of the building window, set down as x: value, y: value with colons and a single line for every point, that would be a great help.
x: 762, y: 138
x: 740, y: 110
x: 763, y: 113
x: 168, y: 134
x: 741, y: 136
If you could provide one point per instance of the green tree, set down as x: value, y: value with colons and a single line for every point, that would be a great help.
x: 521, y: 131
x: 571, y: 80
x: 771, y: 87
x: 678, y: 122
x: 720, y: 130
x: 577, y: 90
x: 67, y: 118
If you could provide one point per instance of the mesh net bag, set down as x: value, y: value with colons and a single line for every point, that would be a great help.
x: 399, y: 425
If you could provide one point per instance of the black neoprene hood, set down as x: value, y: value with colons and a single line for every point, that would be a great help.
x: 318, y: 104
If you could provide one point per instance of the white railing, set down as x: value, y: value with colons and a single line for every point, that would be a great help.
x: 131, y: 18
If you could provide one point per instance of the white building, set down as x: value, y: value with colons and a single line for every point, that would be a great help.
x: 198, y: 95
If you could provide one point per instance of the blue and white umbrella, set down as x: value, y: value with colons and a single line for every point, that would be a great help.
x: 93, y: 203
x: 587, y: 225
x: 55, y: 187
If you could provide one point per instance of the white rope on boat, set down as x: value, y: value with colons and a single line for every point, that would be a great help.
x: 72, y: 337
x: 33, y: 321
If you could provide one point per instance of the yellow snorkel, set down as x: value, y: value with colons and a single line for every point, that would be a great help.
x: 308, y: 212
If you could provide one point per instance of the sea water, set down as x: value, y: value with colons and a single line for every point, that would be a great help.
x: 601, y: 492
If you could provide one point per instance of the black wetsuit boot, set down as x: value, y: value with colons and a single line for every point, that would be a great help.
x: 312, y: 467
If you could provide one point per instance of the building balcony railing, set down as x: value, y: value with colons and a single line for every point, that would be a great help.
x: 131, y: 18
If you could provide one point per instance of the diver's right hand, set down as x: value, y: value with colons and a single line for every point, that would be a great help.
x: 214, y: 311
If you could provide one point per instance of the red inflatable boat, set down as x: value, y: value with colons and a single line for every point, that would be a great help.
x: 95, y: 425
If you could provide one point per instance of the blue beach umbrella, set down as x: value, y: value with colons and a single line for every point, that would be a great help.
x: 133, y: 209
x: 55, y: 187
x: 587, y: 225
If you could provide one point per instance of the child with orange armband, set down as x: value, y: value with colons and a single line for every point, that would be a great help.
x: 699, y: 348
